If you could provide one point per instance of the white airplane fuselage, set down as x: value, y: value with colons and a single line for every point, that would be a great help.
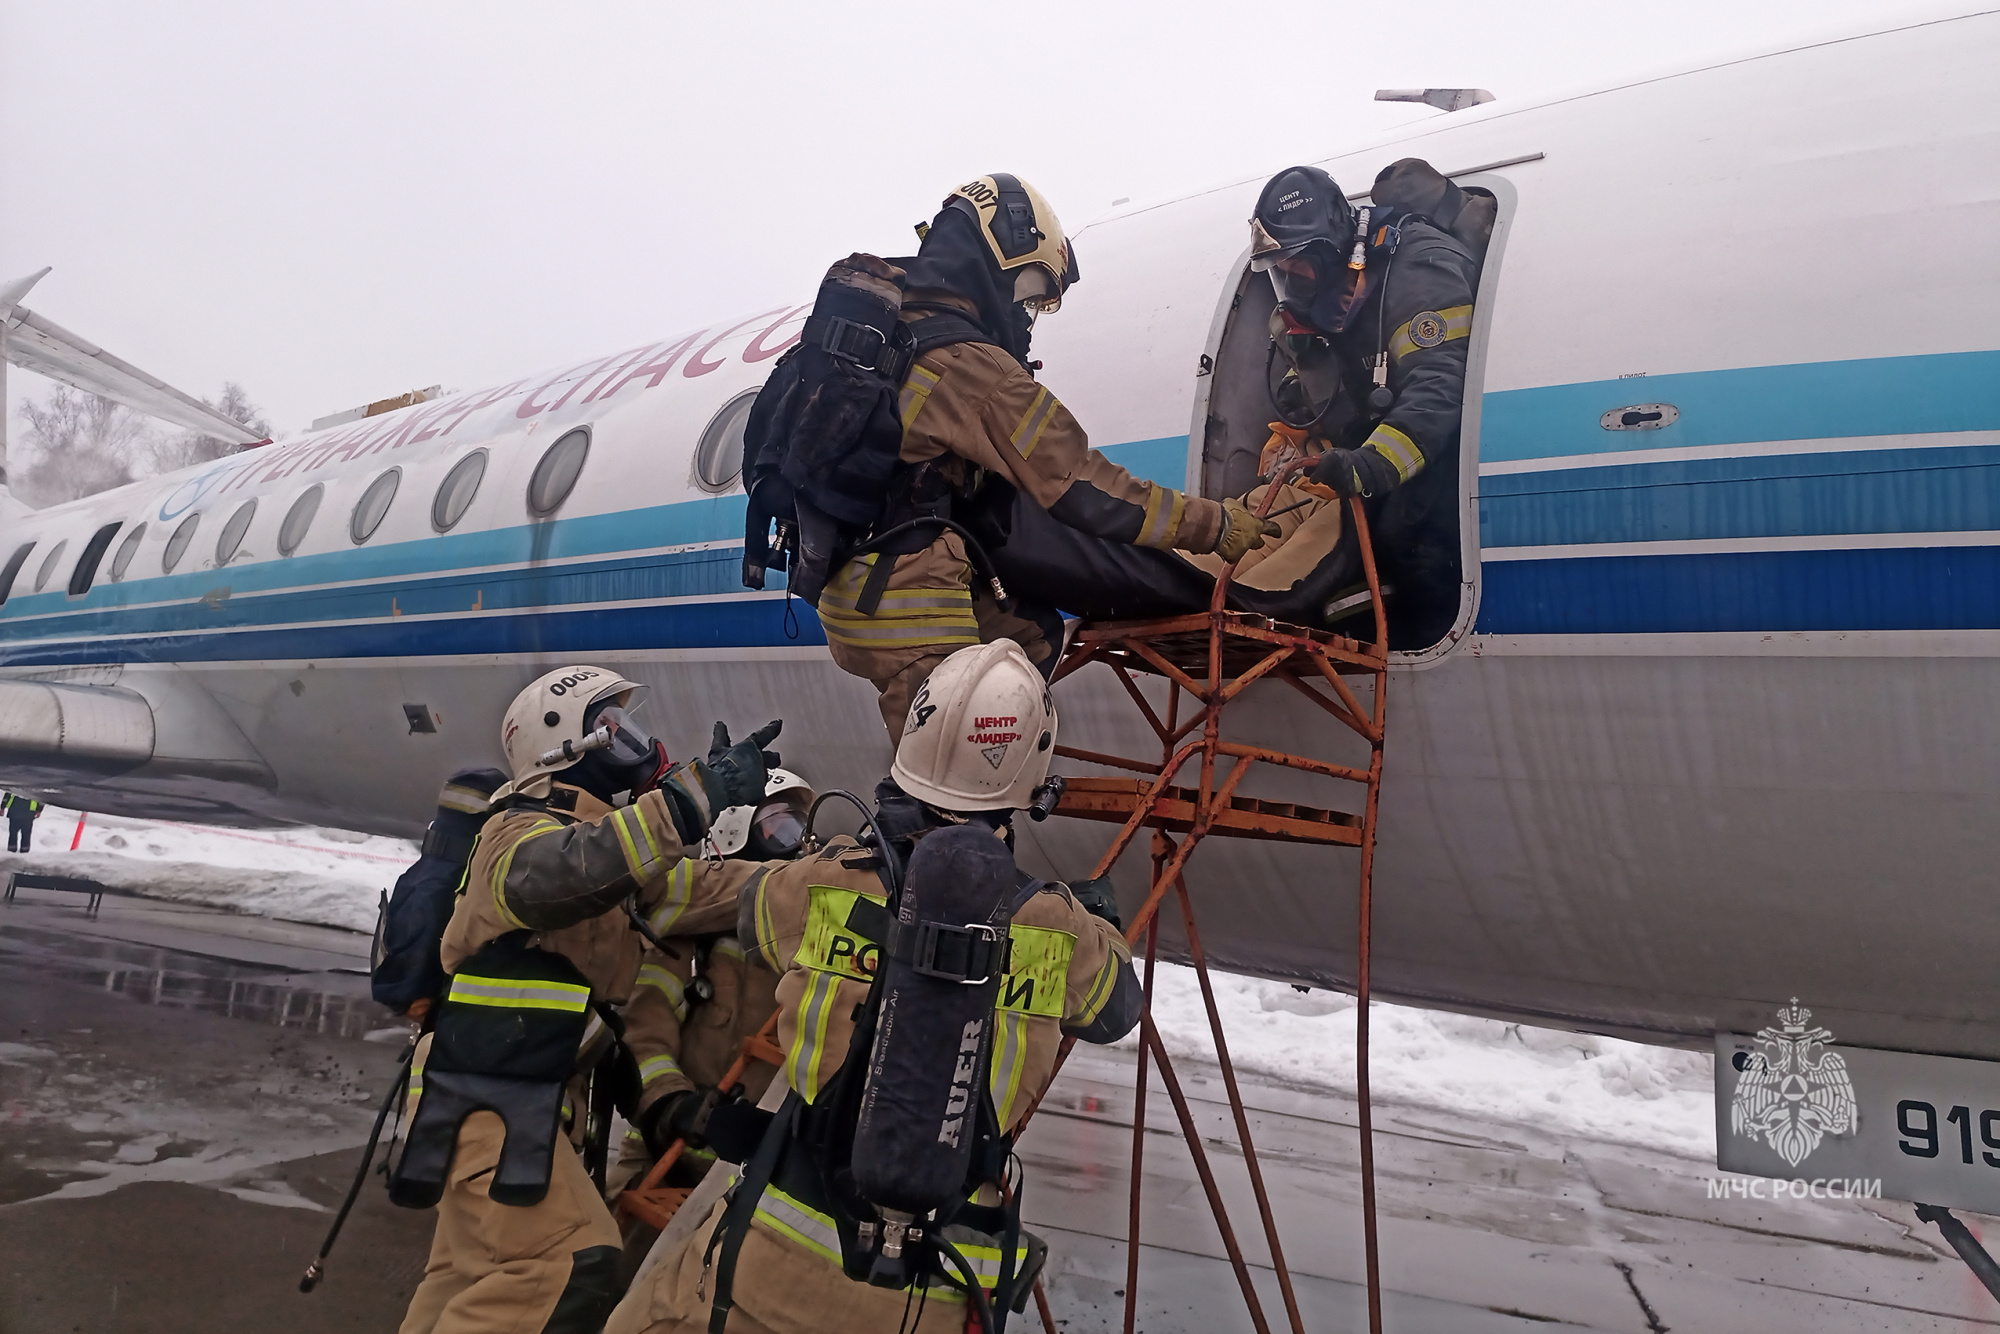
x: 1720, y: 721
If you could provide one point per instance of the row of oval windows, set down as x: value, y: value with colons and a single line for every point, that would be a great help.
x: 553, y: 479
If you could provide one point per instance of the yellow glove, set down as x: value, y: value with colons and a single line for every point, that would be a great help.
x: 1242, y: 531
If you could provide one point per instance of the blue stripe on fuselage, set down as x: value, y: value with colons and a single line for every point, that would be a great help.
x: 1952, y: 391
x: 1932, y: 490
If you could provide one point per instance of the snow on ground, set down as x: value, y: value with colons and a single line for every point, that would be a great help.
x: 1594, y: 1087
x: 330, y: 877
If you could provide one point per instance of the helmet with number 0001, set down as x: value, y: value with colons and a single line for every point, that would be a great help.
x: 555, y: 708
x: 1022, y: 232
x: 980, y: 733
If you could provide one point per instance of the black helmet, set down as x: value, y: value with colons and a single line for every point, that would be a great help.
x: 1301, y: 215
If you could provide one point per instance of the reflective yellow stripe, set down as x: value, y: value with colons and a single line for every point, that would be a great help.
x: 829, y: 945
x: 506, y: 863
x: 802, y: 1062
x: 916, y: 391
x: 657, y: 1067
x: 1028, y: 431
x: 660, y: 979
x: 802, y: 1223
x: 729, y: 947
x: 1100, y: 991
x: 905, y: 616
x: 1037, y: 971
x: 1164, y: 507
x: 644, y: 864
x: 1010, y: 1048
x: 680, y: 889
x: 1399, y: 449
x: 513, y: 994
x: 1457, y: 324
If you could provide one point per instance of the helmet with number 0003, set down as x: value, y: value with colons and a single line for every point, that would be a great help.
x: 1022, y: 231
x: 980, y: 733
x: 771, y: 829
x: 560, y: 706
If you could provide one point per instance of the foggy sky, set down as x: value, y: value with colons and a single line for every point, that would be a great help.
x: 336, y: 203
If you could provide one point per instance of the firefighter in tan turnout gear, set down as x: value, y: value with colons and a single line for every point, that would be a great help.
x: 699, y: 1002
x: 542, y: 943
x: 976, y: 432
x: 926, y: 987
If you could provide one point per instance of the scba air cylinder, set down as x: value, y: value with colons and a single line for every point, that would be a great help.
x: 919, y: 1118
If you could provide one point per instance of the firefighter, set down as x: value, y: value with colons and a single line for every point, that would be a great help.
x: 702, y: 1000
x: 1374, y: 308
x: 1366, y: 378
x: 811, y: 920
x: 543, y: 940
x: 977, y: 428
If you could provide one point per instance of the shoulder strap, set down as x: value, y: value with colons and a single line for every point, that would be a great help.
x: 942, y: 329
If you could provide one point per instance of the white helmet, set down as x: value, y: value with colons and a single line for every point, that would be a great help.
x: 785, y: 795
x: 551, y: 711
x: 980, y: 733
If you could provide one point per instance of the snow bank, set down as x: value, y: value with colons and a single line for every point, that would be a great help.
x: 328, y: 877
x: 1568, y: 1083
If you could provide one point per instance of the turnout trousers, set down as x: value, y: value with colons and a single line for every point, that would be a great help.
x: 549, y: 1268
x: 931, y: 607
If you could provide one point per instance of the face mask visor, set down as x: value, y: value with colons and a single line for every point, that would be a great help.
x: 1300, y: 277
x: 776, y: 831
x: 631, y: 745
x: 1036, y: 293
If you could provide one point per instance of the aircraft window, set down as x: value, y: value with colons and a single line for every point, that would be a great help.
x: 299, y: 518
x: 13, y: 570
x: 85, y: 573
x: 457, y: 490
x: 373, y: 506
x: 49, y: 565
x: 126, y: 551
x: 555, y: 476
x: 718, y: 459
x: 178, y: 543
x: 232, y: 533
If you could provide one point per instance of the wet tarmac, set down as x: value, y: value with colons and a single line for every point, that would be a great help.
x: 185, y: 1092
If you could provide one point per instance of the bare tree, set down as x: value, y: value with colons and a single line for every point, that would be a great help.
x: 187, y: 448
x: 78, y: 444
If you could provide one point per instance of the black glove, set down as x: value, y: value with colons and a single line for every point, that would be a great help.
x: 733, y: 775
x: 1098, y: 899
x: 1355, y: 472
x: 682, y: 1116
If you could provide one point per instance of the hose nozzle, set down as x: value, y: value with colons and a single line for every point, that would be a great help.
x: 314, y: 1273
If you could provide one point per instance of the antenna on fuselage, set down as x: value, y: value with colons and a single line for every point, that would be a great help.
x: 1444, y: 99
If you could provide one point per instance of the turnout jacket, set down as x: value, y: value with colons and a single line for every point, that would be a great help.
x: 1070, y: 972
x: 563, y: 874
x: 971, y: 409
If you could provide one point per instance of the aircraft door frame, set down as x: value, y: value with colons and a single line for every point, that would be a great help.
x: 1230, y: 308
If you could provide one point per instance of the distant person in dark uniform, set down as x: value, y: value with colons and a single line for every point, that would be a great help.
x: 21, y: 815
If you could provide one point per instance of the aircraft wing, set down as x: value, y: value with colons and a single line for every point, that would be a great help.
x: 46, y: 348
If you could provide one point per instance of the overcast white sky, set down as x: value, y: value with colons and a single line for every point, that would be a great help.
x: 335, y: 203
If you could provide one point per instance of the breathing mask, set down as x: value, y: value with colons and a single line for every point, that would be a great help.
x: 628, y: 760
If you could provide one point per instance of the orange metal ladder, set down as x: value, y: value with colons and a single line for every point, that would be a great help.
x: 1211, y: 658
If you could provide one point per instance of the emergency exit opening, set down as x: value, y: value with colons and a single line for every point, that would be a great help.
x: 1234, y: 412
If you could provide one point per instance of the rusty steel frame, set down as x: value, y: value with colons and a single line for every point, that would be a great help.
x: 1230, y: 651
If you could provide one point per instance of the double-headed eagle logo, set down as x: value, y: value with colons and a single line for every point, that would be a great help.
x: 1793, y: 1092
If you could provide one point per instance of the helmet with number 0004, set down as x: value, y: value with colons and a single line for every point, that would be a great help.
x: 773, y: 828
x: 1026, y: 239
x: 980, y: 733
x: 560, y: 706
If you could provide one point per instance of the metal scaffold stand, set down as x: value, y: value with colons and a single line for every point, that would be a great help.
x: 1209, y: 659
